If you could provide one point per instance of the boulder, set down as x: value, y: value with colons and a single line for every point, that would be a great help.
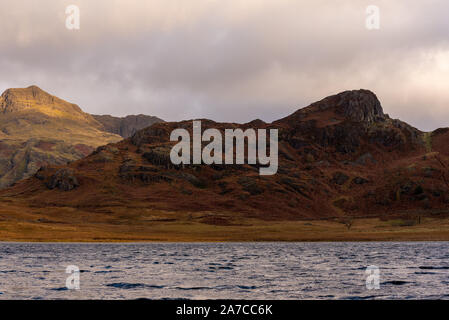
x: 63, y: 179
x: 339, y: 178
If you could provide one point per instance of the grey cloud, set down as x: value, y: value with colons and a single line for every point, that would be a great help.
x: 230, y: 60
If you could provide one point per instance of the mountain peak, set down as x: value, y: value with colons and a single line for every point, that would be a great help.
x: 36, y: 91
x: 19, y: 99
x: 354, y: 105
x: 34, y: 99
x: 357, y: 105
x: 360, y: 105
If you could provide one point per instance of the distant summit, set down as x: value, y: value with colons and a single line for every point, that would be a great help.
x: 34, y: 99
x: 128, y: 125
x: 355, y: 105
x: 19, y: 99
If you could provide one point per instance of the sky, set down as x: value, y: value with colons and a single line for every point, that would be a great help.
x: 230, y: 60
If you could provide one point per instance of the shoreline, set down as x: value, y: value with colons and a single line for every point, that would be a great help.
x: 249, y: 230
x: 211, y: 242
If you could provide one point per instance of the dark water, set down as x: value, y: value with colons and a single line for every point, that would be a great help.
x: 225, y: 271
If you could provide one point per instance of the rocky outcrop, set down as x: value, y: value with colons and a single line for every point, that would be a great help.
x: 63, y: 179
x: 159, y: 156
x: 339, y: 178
x: 21, y: 159
x: 360, y: 105
x: 128, y: 125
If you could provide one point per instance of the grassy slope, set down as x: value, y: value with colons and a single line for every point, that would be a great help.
x: 50, y: 224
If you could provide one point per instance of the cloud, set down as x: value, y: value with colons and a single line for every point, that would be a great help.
x: 230, y: 60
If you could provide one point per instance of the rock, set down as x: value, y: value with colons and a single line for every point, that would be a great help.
x: 40, y: 173
x: 159, y: 156
x: 224, y: 188
x: 339, y: 178
x: 309, y: 158
x: 429, y: 172
x: 364, y: 158
x: 360, y: 105
x: 356, y: 105
x: 251, y: 185
x: 359, y: 180
x: 152, y: 178
x: 126, y: 126
x: 295, y: 186
x: 156, y: 133
x: 145, y: 177
x: 418, y: 190
x: 195, y: 181
x: 103, y: 157
x: 406, y: 187
x: 323, y: 163
x: 63, y: 179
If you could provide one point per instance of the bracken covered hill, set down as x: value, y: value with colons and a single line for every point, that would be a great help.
x: 339, y: 157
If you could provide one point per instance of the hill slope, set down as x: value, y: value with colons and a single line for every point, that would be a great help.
x: 38, y: 128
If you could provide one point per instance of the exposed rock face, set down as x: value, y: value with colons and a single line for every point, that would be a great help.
x: 63, y: 179
x: 21, y: 159
x: 360, y: 105
x: 360, y: 180
x: 356, y: 105
x: 128, y: 125
x: 159, y: 156
x: 340, y: 178
x: 35, y: 99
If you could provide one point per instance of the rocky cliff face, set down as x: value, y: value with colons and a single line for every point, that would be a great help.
x: 126, y: 126
x: 356, y: 105
x: 341, y: 156
x: 34, y: 99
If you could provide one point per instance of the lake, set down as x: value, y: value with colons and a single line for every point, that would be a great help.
x: 407, y: 270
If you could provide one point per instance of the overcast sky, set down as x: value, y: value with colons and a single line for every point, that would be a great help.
x: 230, y: 60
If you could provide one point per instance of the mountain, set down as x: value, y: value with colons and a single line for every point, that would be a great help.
x: 339, y: 158
x: 38, y: 128
x: 126, y: 126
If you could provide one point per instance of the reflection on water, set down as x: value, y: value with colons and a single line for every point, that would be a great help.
x: 225, y: 270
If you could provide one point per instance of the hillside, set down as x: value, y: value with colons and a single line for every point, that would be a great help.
x: 339, y: 158
x: 39, y: 128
